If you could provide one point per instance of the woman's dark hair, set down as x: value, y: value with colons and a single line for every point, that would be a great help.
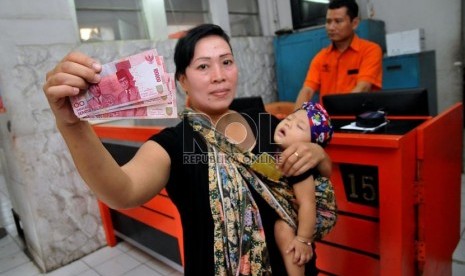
x: 184, y: 51
x: 351, y: 5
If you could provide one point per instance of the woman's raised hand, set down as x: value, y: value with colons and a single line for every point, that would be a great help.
x: 71, y: 75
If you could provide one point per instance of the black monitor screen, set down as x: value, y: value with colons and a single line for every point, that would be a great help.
x: 405, y: 102
x: 242, y: 104
x: 306, y: 13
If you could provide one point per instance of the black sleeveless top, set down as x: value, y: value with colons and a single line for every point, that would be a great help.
x: 188, y: 189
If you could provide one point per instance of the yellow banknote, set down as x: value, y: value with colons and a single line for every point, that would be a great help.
x: 266, y: 166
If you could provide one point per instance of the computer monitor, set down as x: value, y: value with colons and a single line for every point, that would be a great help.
x: 308, y: 13
x: 244, y: 103
x: 400, y: 102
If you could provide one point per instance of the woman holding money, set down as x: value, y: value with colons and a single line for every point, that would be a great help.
x: 202, y: 162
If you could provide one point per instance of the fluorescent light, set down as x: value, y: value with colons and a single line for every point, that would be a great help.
x: 319, y: 1
x: 85, y: 33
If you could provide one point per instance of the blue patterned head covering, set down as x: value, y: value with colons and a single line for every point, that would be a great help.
x: 321, y: 129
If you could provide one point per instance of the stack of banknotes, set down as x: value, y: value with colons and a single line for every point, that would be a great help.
x: 135, y: 87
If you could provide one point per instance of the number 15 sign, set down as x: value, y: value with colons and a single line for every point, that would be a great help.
x: 360, y: 183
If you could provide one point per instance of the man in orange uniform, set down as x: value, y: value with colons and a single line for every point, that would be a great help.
x: 349, y: 64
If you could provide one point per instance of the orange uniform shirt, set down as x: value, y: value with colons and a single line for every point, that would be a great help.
x: 333, y: 72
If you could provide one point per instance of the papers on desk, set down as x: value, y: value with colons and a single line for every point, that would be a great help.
x: 353, y: 126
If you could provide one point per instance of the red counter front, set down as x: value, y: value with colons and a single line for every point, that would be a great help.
x: 398, y: 198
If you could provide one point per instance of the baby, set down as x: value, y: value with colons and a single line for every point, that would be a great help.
x: 309, y: 123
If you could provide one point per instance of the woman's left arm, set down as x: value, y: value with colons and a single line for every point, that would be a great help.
x: 300, y: 157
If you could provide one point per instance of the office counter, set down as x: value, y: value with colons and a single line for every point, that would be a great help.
x: 398, y: 193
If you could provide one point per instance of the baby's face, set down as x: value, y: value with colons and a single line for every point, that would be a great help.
x: 293, y: 128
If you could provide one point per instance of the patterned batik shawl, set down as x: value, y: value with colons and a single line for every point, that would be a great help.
x: 239, y: 241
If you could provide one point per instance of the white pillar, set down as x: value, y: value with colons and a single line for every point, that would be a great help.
x: 155, y: 15
x: 274, y: 15
x: 219, y: 14
x: 284, y: 13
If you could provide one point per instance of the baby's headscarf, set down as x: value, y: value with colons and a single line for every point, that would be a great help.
x: 321, y: 129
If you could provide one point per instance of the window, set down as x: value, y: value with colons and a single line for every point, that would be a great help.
x: 156, y: 19
x: 244, y: 18
x: 110, y: 20
x: 182, y: 15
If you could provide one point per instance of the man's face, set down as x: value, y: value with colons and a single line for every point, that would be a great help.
x: 95, y: 90
x: 339, y: 26
x: 124, y: 82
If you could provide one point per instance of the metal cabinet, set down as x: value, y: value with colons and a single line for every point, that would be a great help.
x: 412, y: 71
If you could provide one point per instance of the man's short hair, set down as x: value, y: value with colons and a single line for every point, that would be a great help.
x: 351, y: 5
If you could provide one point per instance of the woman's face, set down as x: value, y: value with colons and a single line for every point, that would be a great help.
x: 211, y: 78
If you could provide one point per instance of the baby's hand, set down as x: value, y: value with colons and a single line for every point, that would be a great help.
x: 302, y: 252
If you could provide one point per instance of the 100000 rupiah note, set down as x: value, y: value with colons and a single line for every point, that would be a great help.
x: 134, y: 87
x: 157, y: 108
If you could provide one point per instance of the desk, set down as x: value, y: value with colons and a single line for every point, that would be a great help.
x: 395, y: 126
x: 398, y: 194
